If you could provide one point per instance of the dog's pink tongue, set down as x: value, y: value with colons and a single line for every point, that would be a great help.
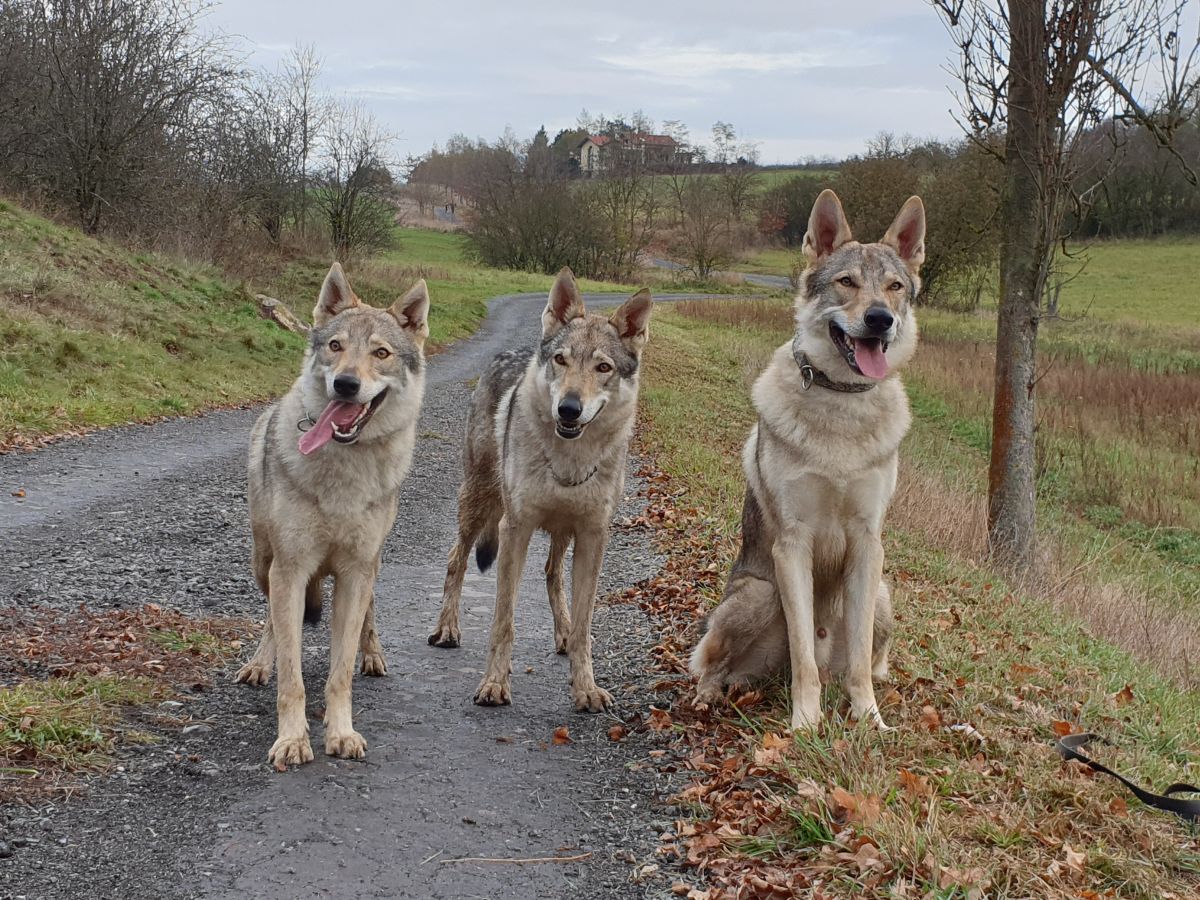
x: 870, y: 358
x: 322, y: 433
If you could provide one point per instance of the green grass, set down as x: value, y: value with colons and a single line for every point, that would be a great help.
x: 67, y: 724
x: 95, y: 335
x: 969, y: 646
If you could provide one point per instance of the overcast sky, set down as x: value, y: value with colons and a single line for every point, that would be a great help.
x: 799, y: 78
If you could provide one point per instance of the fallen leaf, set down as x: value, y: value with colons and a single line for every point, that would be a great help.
x: 860, y: 810
x: 1118, y: 807
x: 20, y: 492
x: 562, y: 735
x: 1062, y: 729
x: 617, y: 733
x: 916, y: 786
x: 772, y: 741
x: 1124, y: 696
x: 930, y: 720
x: 660, y: 719
x: 681, y: 889
x: 1075, y: 861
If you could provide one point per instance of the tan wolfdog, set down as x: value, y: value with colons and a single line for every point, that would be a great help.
x: 807, y: 587
x: 326, y: 463
x: 547, y: 439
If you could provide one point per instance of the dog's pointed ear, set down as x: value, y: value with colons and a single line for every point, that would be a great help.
x: 827, y: 227
x: 564, y: 305
x: 632, y: 321
x: 907, y: 234
x: 412, y: 312
x: 335, y: 296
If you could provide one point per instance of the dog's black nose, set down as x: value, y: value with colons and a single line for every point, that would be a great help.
x: 346, y: 385
x: 569, y: 408
x: 878, y: 318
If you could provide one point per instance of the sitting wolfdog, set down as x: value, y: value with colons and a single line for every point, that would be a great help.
x: 547, y: 438
x: 807, y: 587
x: 326, y: 463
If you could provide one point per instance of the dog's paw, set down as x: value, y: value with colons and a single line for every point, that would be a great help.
x: 493, y: 693
x: 290, y: 751
x: 373, y: 664
x: 446, y: 636
x: 708, y: 695
x: 348, y: 745
x: 254, y: 673
x: 872, y: 716
x: 560, y: 645
x: 805, y: 718
x: 591, y: 699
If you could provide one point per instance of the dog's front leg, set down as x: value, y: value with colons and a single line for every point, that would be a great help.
x: 585, y: 576
x: 864, y: 571
x: 494, y: 689
x: 351, y: 598
x: 793, y: 556
x: 291, y: 746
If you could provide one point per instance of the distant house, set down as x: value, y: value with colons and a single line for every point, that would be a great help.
x: 656, y: 151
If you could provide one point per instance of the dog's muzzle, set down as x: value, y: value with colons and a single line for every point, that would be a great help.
x: 348, y: 434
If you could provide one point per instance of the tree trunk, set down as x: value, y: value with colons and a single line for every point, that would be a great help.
x: 1011, y: 475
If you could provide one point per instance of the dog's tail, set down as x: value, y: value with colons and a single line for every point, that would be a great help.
x: 487, y: 545
x: 313, y: 602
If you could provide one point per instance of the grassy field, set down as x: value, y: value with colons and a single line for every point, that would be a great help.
x: 96, y: 335
x: 933, y: 811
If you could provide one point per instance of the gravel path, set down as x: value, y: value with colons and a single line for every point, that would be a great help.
x: 158, y: 514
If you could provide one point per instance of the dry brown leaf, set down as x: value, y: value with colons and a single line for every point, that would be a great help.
x: 617, y: 732
x: 1124, y: 696
x: 562, y: 735
x: 681, y: 889
x: 660, y: 719
x: 774, y: 741
x: 930, y: 720
x: 1062, y: 729
x: 916, y: 786
x: 1075, y: 861
x: 860, y: 810
x: 1118, y: 807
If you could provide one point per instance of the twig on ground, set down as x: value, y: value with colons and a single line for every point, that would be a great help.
x: 518, y: 860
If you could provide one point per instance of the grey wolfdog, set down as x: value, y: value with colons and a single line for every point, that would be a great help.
x: 326, y: 463
x: 807, y: 588
x: 547, y: 438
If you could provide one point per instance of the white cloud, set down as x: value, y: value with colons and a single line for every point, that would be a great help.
x: 704, y: 61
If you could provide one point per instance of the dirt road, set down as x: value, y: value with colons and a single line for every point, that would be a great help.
x: 158, y: 514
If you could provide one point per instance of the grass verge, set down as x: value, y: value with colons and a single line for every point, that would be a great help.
x: 967, y: 798
x: 77, y: 686
x: 93, y: 335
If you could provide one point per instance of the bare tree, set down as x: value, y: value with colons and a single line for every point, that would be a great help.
x: 1042, y: 73
x: 704, y: 237
x: 352, y: 190
x: 112, y: 86
x: 310, y: 111
x: 624, y: 205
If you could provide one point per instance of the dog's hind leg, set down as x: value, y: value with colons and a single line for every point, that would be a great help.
x: 556, y: 592
x: 494, y: 689
x: 881, y: 637
x: 373, y: 662
x: 471, y: 522
x: 259, y: 669
x: 741, y: 638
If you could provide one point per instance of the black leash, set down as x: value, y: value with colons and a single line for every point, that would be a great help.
x: 1188, y: 810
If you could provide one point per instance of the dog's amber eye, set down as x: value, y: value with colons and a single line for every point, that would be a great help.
x: 896, y: 286
x: 335, y: 346
x: 383, y: 353
x: 604, y: 368
x: 560, y: 359
x: 846, y: 281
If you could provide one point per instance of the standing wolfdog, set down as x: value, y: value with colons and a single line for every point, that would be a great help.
x: 807, y: 587
x: 547, y: 438
x: 326, y: 463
